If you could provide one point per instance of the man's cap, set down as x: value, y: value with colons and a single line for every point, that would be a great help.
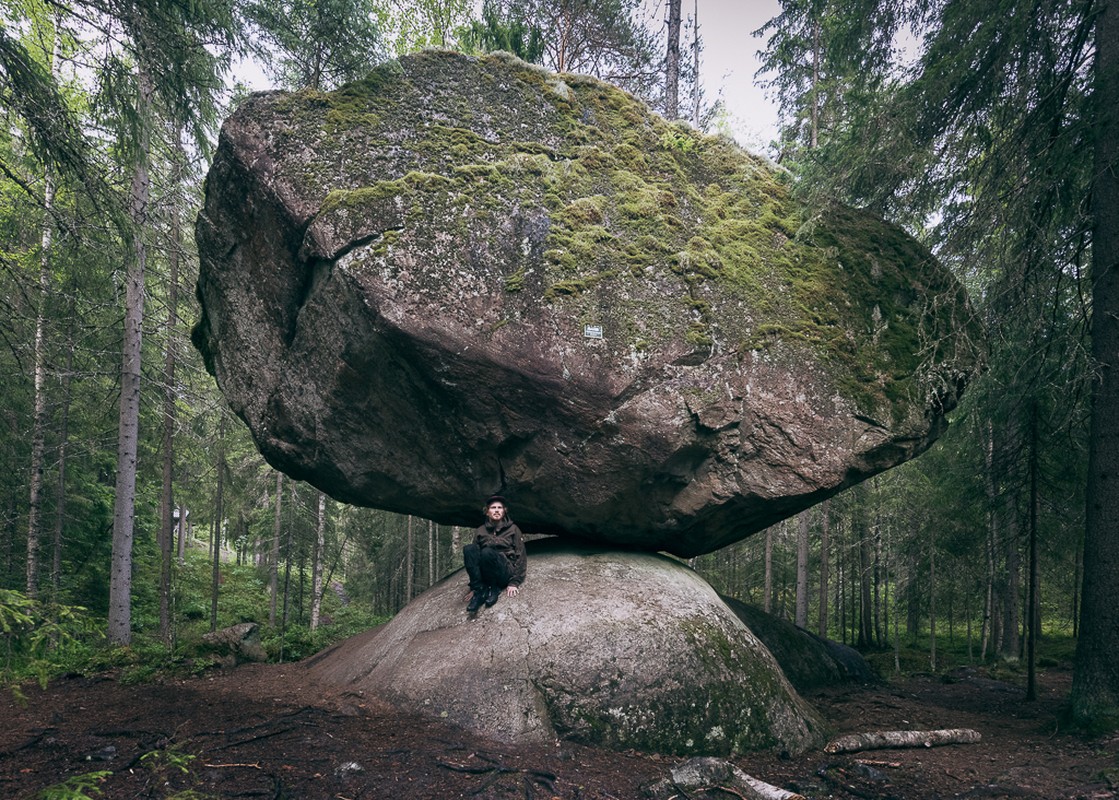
x: 495, y: 498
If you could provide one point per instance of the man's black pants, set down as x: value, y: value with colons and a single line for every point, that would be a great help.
x: 486, y: 566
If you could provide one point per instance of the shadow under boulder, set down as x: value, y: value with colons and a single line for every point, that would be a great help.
x: 618, y: 649
x: 810, y: 662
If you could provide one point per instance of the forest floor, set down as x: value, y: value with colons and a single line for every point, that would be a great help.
x: 265, y: 730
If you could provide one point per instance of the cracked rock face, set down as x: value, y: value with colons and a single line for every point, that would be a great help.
x: 664, y: 666
x: 466, y: 275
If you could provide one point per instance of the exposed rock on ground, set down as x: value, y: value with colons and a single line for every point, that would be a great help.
x: 235, y: 645
x: 464, y: 275
x: 600, y: 647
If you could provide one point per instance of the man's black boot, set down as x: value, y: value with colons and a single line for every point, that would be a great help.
x: 492, y: 595
x: 476, y: 600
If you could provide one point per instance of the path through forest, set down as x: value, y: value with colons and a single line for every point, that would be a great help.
x: 267, y: 731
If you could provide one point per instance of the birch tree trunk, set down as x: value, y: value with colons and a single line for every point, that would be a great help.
x: 39, y: 370
x: 39, y: 362
x: 409, y: 562
x: 768, y: 600
x: 854, y: 742
x: 430, y: 553
x: 274, y: 561
x: 316, y: 562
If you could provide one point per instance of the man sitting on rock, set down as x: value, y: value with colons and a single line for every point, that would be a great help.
x: 496, y: 559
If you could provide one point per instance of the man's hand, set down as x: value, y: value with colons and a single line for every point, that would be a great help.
x: 512, y: 591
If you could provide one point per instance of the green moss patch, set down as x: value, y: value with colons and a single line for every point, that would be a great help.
x: 683, y: 237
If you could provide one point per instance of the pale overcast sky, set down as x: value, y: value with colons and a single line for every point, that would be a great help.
x: 729, y: 62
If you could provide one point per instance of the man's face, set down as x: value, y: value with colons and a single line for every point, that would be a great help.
x: 495, y: 511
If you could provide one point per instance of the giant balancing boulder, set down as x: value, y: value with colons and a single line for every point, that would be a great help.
x: 463, y: 275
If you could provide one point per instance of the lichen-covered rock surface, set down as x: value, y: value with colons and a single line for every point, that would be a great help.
x: 602, y: 647
x: 464, y: 275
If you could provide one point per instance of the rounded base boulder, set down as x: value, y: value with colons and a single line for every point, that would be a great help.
x: 618, y: 649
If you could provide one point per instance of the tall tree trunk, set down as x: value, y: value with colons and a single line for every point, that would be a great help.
x: 884, y: 546
x: 994, y: 537
x: 167, y: 499
x: 866, y: 609
x: 39, y: 361
x: 840, y: 594
x: 1078, y: 568
x: 430, y: 553
x: 124, y: 505
x: 989, y: 599
x: 316, y: 562
x: 876, y: 571
x: 39, y: 372
x: 695, y: 66
x: 1011, y: 591
x: 672, y: 63
x: 932, y: 599
x: 63, y: 453
x: 854, y: 584
x: 1032, y: 606
x: 216, y: 526
x: 822, y: 623
x: 10, y: 539
x: 814, y: 134
x: 801, y: 618
x: 302, y: 578
x: 288, y: 545
x: 1095, y: 683
x: 409, y: 563
x: 967, y: 616
x: 274, y: 561
x: 782, y: 598
x: 767, y: 602
x: 897, y: 623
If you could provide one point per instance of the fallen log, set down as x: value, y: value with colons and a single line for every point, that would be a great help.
x: 878, y: 740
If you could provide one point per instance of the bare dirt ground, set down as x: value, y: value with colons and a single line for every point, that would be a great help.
x: 267, y: 731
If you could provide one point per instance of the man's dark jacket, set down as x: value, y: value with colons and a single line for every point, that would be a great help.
x: 505, y: 537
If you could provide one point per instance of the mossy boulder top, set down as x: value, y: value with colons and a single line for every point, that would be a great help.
x: 466, y: 275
